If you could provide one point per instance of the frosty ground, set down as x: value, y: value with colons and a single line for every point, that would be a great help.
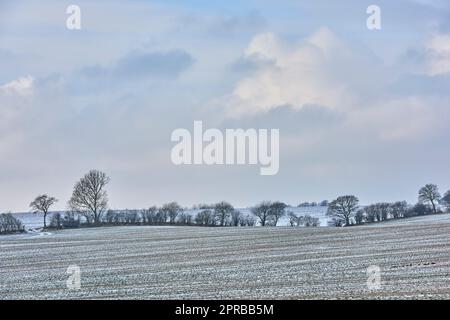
x: 231, y: 263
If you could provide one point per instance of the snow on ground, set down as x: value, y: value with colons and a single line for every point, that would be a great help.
x: 32, y: 220
x: 430, y: 219
x: 230, y: 263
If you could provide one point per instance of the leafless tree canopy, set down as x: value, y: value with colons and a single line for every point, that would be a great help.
x: 42, y: 203
x: 90, y: 197
x: 171, y: 210
x: 222, y: 212
x: 277, y: 210
x: 343, y: 209
x: 10, y: 224
x: 299, y: 220
x: 430, y: 194
x: 205, y: 218
x: 262, y: 211
x: 446, y: 200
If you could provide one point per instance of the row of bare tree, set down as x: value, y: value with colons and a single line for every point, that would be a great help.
x: 345, y: 210
x: 89, y: 200
x: 10, y: 224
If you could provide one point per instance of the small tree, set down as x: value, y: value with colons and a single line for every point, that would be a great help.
x: 399, y: 209
x: 89, y: 196
x: 430, y: 194
x: 309, y: 221
x: 236, y: 218
x: 277, y: 210
x: 42, y: 204
x: 446, y: 200
x: 294, y: 220
x: 222, y: 212
x: 384, y: 209
x: 419, y: 209
x: 371, y: 213
x: 10, y: 224
x: 171, y: 210
x: 262, y: 211
x: 360, y: 216
x: 343, y: 209
x: 204, y: 218
x: 149, y: 215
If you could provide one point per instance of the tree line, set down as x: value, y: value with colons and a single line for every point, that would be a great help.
x: 88, y: 206
x: 10, y: 224
x: 346, y: 211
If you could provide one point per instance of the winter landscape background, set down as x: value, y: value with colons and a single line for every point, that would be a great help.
x: 92, y: 93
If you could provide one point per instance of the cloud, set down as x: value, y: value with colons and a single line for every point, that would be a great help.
x: 154, y: 64
x: 232, y: 25
x: 438, y: 54
x: 137, y: 64
x: 320, y: 70
x: 20, y: 86
x: 323, y: 71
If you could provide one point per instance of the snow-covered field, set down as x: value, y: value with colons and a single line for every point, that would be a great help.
x: 221, y: 263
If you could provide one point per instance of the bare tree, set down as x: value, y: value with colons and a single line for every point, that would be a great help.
x: 236, y: 218
x: 42, y: 204
x: 262, y: 211
x: 430, y: 194
x: 10, y: 224
x: 360, y: 216
x: 446, y: 200
x: 171, y: 210
x: 277, y: 210
x: 184, y: 218
x: 293, y: 219
x: 384, y: 210
x: 204, y: 218
x: 222, y: 212
x: 311, y: 221
x: 248, y: 221
x: 90, y: 197
x: 343, y: 209
x: 335, y: 222
x: 161, y: 216
x: 398, y: 209
x: 149, y: 216
x: 371, y: 213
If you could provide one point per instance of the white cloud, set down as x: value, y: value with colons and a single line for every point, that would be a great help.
x: 322, y: 70
x: 307, y: 73
x: 21, y: 86
x: 438, y: 51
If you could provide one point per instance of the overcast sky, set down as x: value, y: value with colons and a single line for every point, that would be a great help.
x: 360, y: 111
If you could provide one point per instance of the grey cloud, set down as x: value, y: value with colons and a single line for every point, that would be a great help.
x: 289, y: 120
x: 154, y: 64
x: 250, y: 22
x: 132, y: 70
x: 249, y: 64
x: 138, y: 65
x: 417, y: 84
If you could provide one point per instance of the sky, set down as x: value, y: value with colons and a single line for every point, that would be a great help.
x: 363, y: 112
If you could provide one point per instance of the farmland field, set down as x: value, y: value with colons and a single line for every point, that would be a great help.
x: 230, y: 263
